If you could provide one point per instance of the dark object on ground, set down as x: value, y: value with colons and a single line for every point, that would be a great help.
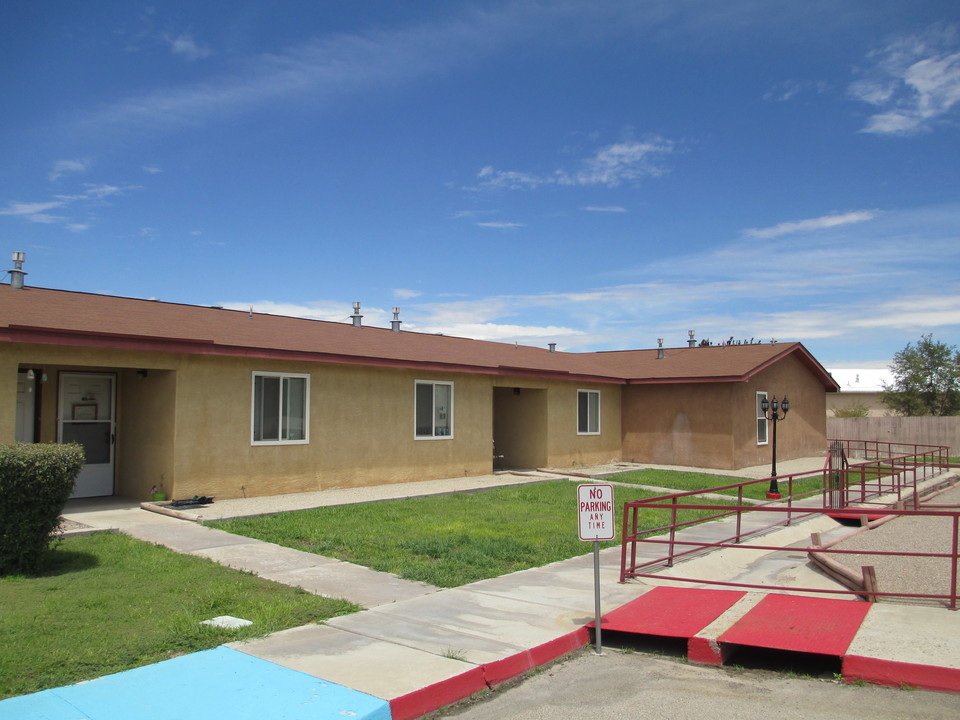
x: 192, y: 502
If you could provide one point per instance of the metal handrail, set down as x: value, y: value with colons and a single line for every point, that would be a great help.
x: 868, y: 484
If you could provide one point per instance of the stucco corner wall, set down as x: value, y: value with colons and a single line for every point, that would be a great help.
x: 565, y: 446
x: 679, y: 424
x: 803, y: 433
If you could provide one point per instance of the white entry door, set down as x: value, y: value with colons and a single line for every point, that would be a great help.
x: 86, y: 416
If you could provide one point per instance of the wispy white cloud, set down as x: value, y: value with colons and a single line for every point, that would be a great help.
x: 508, y: 179
x: 320, y: 310
x: 62, y: 167
x: 321, y: 69
x: 605, y: 208
x: 91, y: 194
x: 811, y: 287
x: 824, y: 292
x: 501, y: 225
x: 811, y: 224
x: 151, y: 169
x: 186, y: 47
x: 28, y: 208
x: 789, y: 89
x: 913, y: 81
x: 609, y: 166
x: 406, y: 294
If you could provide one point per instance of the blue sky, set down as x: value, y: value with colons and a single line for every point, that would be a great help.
x: 596, y: 174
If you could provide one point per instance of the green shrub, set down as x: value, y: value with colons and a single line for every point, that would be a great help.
x: 854, y: 410
x: 35, y: 483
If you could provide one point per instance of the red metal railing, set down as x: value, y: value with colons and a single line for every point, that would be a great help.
x: 888, y: 479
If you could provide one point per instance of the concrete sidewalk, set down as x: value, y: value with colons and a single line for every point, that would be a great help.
x: 417, y: 648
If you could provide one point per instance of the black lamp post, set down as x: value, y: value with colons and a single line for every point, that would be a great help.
x: 770, y: 412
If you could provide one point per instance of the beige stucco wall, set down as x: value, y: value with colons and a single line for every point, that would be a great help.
x: 804, y: 431
x: 679, y: 424
x: 186, y: 424
x: 843, y: 400
x: 565, y: 448
x: 713, y: 425
x: 361, y: 430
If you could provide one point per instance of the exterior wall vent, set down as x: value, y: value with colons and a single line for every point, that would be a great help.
x: 16, y: 273
x: 356, y: 317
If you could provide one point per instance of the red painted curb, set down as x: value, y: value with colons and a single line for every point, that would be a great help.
x: 895, y: 674
x: 481, y: 677
x: 704, y: 651
x: 499, y: 671
x: 433, y: 697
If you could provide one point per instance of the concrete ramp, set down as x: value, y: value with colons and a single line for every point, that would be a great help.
x: 218, y: 683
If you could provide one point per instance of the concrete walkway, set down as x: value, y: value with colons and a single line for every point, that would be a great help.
x: 417, y: 648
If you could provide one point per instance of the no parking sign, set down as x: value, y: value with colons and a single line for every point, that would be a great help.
x: 595, y: 512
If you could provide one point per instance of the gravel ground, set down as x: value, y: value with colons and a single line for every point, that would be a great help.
x: 924, y: 575
x: 70, y: 526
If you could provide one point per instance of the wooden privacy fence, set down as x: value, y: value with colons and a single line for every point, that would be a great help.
x: 919, y: 430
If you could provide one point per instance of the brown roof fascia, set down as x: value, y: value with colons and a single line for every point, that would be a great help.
x: 680, y: 380
x: 806, y: 358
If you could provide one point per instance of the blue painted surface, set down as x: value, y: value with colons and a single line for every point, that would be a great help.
x: 218, y: 683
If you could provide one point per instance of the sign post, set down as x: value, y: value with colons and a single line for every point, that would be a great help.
x: 595, y: 521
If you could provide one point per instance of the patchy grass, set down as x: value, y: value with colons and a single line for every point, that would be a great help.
x: 104, y: 603
x: 447, y: 540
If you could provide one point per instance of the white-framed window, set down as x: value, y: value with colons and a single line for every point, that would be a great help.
x: 281, y: 409
x: 588, y: 412
x: 433, y: 409
x: 761, y: 420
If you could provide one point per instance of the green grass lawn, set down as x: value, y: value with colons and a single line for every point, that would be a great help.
x: 690, y: 481
x: 447, y: 540
x: 104, y: 603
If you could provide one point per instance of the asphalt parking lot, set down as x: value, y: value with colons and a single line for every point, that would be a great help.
x: 638, y: 685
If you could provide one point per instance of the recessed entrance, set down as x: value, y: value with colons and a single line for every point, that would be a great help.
x: 520, y: 427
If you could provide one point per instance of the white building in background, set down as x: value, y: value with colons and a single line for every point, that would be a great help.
x: 859, y: 386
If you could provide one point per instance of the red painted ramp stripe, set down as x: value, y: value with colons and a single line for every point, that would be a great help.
x: 671, y: 612
x: 802, y: 624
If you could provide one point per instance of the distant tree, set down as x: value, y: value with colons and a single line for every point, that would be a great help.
x: 855, y: 409
x: 926, y: 379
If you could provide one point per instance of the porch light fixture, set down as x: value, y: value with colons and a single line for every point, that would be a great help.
x: 773, y: 413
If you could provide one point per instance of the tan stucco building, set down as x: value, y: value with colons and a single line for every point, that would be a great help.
x: 205, y: 401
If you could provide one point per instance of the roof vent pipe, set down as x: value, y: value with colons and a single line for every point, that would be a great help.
x: 659, y: 348
x: 692, y: 342
x: 552, y: 346
x: 356, y: 317
x: 395, y: 323
x: 17, y: 273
